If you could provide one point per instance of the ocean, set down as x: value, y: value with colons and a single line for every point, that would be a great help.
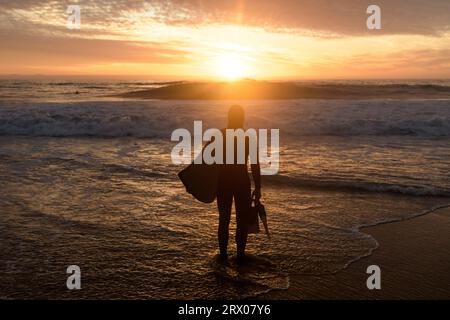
x: 87, y: 179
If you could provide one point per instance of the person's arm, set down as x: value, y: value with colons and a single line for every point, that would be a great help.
x: 256, y: 174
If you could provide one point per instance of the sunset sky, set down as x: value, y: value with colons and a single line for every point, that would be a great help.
x: 218, y: 39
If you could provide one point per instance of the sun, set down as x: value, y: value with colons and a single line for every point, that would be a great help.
x: 231, y: 67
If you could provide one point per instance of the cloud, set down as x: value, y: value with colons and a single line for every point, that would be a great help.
x: 345, y: 17
x: 433, y: 63
x: 311, y: 38
x: 64, y: 51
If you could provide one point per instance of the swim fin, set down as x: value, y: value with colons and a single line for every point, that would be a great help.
x: 263, y: 216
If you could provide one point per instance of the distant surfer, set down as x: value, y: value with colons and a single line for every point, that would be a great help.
x: 234, y: 183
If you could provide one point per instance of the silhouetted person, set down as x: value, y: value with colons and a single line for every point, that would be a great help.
x: 234, y: 183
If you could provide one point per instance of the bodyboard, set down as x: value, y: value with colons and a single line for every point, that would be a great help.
x: 201, y: 181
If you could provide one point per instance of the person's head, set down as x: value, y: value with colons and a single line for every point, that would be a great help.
x: 236, y: 117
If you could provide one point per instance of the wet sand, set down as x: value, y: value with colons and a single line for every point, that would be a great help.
x: 413, y: 256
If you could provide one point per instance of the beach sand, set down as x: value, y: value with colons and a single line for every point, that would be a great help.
x: 412, y: 255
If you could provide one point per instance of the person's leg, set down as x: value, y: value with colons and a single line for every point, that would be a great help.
x: 242, y: 201
x: 224, y: 202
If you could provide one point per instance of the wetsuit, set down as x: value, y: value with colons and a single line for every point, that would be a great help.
x: 234, y: 183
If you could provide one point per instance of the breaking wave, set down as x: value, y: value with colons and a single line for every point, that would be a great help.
x: 353, y: 185
x: 157, y: 119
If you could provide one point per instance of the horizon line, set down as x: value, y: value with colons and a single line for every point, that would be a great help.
x: 187, y: 79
